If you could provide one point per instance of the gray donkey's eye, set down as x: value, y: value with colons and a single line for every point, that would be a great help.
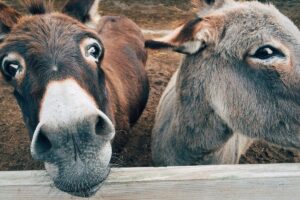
x: 267, y: 52
x: 210, y: 1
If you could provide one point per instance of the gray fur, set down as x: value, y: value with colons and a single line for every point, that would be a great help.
x: 217, y: 103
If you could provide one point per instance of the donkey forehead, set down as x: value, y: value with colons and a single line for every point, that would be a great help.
x: 48, y: 30
x: 258, y: 17
x: 50, y: 45
x: 254, y: 24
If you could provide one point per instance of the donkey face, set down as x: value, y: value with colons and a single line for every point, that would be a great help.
x: 246, y: 57
x: 54, y: 64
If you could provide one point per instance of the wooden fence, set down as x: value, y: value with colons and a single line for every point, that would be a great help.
x: 238, y: 182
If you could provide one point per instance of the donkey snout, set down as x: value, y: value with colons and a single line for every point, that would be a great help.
x: 75, y: 151
x: 104, y: 126
x: 41, y: 143
x: 58, y: 140
x: 69, y: 117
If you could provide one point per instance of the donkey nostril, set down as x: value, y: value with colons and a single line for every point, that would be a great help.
x: 43, y: 144
x: 101, y: 126
x: 104, y: 126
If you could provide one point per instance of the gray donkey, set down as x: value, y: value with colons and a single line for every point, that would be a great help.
x: 238, y: 82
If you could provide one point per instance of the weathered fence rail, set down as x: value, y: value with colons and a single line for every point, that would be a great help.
x: 242, y: 182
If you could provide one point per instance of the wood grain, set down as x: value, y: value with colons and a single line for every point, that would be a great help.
x: 229, y: 182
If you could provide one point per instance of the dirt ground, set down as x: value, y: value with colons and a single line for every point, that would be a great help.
x: 152, y: 14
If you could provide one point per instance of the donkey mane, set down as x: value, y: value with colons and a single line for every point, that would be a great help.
x: 37, y: 7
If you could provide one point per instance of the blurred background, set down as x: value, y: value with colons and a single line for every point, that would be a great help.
x: 153, y: 16
x: 163, y: 13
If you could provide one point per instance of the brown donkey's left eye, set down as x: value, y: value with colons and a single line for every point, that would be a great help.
x: 94, y: 50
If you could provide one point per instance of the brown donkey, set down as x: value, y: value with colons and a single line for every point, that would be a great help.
x: 238, y: 82
x: 75, y: 85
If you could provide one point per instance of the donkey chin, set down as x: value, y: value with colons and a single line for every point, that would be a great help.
x: 83, y: 177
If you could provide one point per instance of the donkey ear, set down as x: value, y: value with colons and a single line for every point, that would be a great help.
x: 8, y: 18
x: 202, y: 7
x: 190, y: 38
x: 85, y: 11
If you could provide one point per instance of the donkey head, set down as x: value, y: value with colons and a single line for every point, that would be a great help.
x: 246, y: 58
x: 53, y: 61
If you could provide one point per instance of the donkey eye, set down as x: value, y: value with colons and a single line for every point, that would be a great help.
x: 11, y: 68
x: 94, y: 50
x: 267, y: 52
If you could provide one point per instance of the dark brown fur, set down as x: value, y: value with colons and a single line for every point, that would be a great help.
x: 79, y: 9
x: 8, y: 17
